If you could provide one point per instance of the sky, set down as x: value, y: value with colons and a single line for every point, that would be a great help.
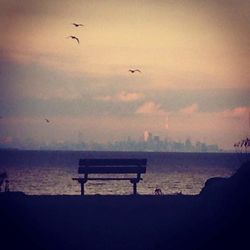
x: 194, y: 57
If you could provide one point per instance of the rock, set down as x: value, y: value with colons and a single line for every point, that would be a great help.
x: 237, y: 186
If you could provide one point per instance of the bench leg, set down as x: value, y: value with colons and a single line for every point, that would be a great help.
x: 134, y: 188
x: 82, y: 188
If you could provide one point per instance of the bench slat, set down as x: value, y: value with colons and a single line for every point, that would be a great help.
x: 111, y: 170
x: 108, y: 179
x: 112, y: 162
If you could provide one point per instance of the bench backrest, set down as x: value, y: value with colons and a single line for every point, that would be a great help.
x: 112, y: 166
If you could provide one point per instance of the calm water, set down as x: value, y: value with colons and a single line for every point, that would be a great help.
x: 51, y: 172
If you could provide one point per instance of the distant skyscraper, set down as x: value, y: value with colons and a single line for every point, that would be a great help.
x: 147, y: 136
x: 80, y: 137
x: 166, y: 123
x: 156, y: 139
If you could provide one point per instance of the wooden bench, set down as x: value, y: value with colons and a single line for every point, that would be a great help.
x: 111, y: 166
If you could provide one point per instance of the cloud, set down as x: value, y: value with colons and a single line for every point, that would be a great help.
x: 189, y: 110
x: 129, y: 96
x: 236, y: 113
x: 122, y: 97
x: 150, y: 108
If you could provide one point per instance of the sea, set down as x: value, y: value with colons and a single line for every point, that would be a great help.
x: 51, y: 172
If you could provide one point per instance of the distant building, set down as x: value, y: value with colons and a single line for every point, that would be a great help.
x: 147, y: 136
x: 156, y: 139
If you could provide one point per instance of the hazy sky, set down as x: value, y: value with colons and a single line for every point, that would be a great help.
x: 194, y: 56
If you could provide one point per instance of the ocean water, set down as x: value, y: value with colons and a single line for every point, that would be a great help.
x: 51, y: 172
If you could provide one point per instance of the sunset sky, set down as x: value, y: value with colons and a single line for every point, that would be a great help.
x: 194, y: 56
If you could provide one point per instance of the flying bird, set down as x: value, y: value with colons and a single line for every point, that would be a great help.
x: 77, y: 24
x: 47, y: 120
x: 74, y: 37
x: 134, y: 70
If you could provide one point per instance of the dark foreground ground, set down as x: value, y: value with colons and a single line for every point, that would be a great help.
x: 217, y: 218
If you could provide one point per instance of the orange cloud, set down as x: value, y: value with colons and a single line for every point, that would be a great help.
x: 129, y: 96
x: 122, y: 97
x: 189, y: 110
x: 151, y: 108
x: 236, y: 113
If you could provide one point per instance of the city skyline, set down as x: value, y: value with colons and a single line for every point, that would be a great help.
x: 145, y: 142
x: 193, y: 58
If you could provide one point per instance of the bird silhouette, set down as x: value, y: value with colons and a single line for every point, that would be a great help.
x: 74, y: 37
x: 47, y: 120
x: 77, y: 24
x: 134, y: 70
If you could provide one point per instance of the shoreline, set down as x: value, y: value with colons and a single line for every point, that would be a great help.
x: 216, y: 218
